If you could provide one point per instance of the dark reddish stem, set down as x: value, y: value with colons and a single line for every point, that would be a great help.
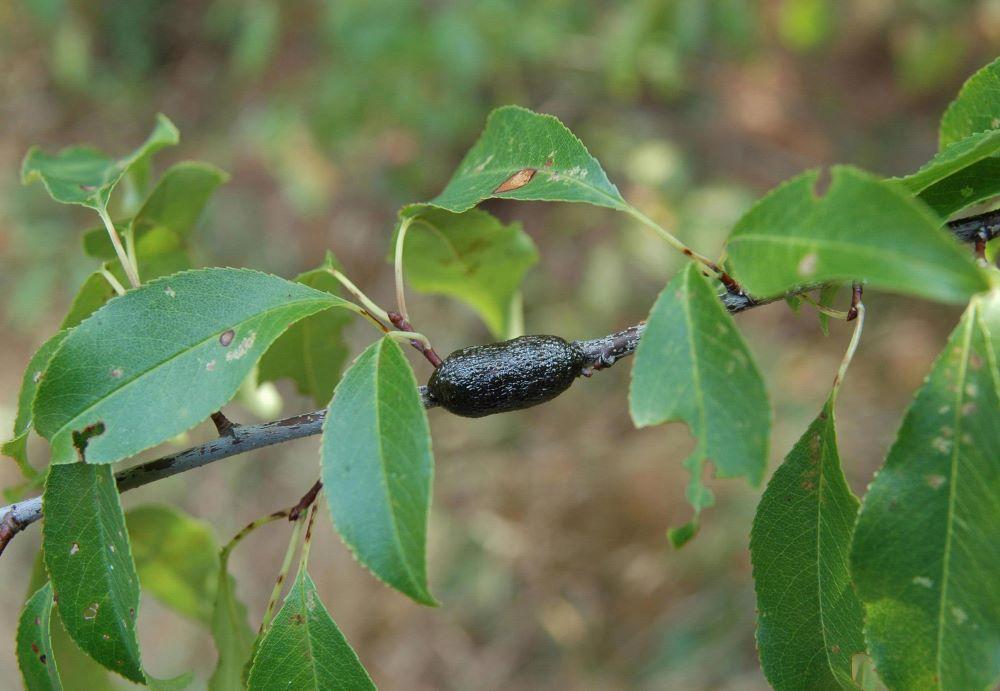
x: 223, y: 425
x: 856, y: 293
x: 305, y: 502
x: 400, y: 323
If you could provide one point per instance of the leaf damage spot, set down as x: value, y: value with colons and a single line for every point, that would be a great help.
x: 807, y: 266
x: 117, y: 373
x: 516, y: 181
x: 923, y: 581
x: 226, y: 337
x: 482, y: 166
x: 169, y: 292
x: 243, y: 348
x: 959, y: 614
x: 91, y: 612
x: 210, y: 366
x: 74, y: 548
x: 36, y: 377
x: 968, y: 409
x: 941, y: 444
x: 935, y: 481
x: 82, y: 437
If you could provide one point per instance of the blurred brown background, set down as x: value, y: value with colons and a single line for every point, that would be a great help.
x: 548, y: 547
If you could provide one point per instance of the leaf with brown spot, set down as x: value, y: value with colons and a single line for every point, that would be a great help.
x: 516, y: 181
x: 34, y: 643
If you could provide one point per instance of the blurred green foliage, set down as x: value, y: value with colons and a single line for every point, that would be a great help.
x: 329, y: 116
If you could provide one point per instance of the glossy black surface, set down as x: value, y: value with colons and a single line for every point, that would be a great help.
x: 499, y: 377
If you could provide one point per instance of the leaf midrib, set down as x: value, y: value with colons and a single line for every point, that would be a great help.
x: 618, y: 202
x: 949, y: 524
x: 404, y: 558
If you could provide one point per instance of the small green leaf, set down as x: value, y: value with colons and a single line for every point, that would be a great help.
x: 952, y: 159
x: 377, y: 468
x: 231, y: 633
x: 693, y: 365
x: 926, y: 549
x: 161, y: 358
x: 526, y: 155
x: 304, y: 649
x: 17, y: 448
x: 470, y: 256
x: 976, y: 108
x: 174, y: 205
x: 969, y: 186
x: 34, y: 643
x: 88, y: 558
x: 808, y: 618
x: 862, y: 229
x: 312, y: 352
x: 83, y: 175
x: 94, y: 292
x: 176, y: 557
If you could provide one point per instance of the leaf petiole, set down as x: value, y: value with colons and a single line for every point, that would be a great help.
x: 272, y: 603
x: 130, y: 269
x: 674, y: 242
x: 400, y: 289
x: 373, y: 311
x: 110, y: 278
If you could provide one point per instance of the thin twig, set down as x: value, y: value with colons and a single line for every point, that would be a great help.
x: 600, y: 353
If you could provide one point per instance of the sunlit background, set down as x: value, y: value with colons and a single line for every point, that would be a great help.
x: 549, y: 553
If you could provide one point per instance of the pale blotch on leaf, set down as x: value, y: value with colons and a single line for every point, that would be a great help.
x: 243, y: 348
x: 923, y: 581
x: 970, y: 390
x: 959, y: 614
x: 935, y: 481
x: 170, y: 292
x: 941, y: 444
x: 117, y: 373
x: 74, y: 548
x: 36, y: 377
x: 210, y: 366
x: 91, y: 612
x: 516, y: 181
x: 807, y: 267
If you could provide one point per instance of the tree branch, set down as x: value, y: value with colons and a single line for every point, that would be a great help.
x: 601, y: 353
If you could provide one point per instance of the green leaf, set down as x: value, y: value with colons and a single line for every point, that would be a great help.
x: 304, y: 649
x: 809, y: 620
x: 926, y: 548
x: 956, y: 157
x: 526, y: 155
x: 230, y: 631
x: 976, y: 108
x: 312, y: 352
x: 470, y: 256
x: 34, y: 643
x: 161, y: 358
x: 88, y: 558
x: 693, y: 365
x: 176, y: 557
x: 174, y: 205
x: 17, y: 447
x: 94, y: 292
x: 862, y: 229
x: 969, y: 186
x: 377, y: 468
x: 86, y: 176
